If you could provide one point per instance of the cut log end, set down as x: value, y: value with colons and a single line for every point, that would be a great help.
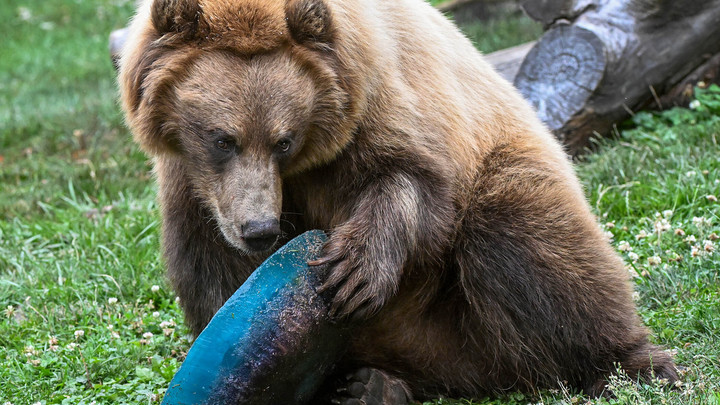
x: 561, y: 72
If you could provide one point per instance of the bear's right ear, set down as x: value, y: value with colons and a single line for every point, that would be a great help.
x: 176, y: 16
x: 309, y: 22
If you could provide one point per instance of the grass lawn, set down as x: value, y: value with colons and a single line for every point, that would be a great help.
x: 87, y: 317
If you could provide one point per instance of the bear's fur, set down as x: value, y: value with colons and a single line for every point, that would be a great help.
x: 461, y: 245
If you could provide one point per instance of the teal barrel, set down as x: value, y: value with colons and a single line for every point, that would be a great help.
x: 271, y: 343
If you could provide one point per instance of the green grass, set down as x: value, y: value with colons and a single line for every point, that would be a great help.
x: 79, y: 247
x: 508, y: 27
x: 78, y: 221
x: 512, y: 29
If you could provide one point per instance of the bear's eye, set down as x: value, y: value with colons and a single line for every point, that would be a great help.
x: 283, y: 146
x: 223, y: 144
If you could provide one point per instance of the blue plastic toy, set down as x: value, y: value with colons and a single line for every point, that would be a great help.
x: 272, y: 341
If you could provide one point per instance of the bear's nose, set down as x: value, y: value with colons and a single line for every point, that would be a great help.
x: 261, y: 235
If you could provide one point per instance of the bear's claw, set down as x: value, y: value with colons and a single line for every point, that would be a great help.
x: 359, y: 289
x: 369, y: 386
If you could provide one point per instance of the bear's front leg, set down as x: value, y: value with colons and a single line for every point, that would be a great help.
x: 398, y: 222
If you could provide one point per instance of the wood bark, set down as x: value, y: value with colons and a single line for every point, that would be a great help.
x: 583, y: 76
x: 548, y: 12
x: 683, y: 93
x: 507, y: 61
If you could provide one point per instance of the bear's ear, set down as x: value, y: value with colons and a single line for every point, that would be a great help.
x: 182, y: 16
x: 309, y: 22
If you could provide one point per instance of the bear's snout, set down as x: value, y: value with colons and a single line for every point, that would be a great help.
x: 261, y: 235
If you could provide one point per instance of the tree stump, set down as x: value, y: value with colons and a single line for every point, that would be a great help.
x: 601, y: 60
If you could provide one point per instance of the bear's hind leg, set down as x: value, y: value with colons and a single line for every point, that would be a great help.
x: 644, y: 363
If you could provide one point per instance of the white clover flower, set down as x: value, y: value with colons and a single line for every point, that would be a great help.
x: 633, y: 256
x: 155, y: 288
x: 79, y: 333
x: 610, y: 225
x: 112, y: 300
x: 641, y: 235
x: 679, y: 232
x: 691, y: 239
x: 695, y: 251
x: 662, y: 225
x: 624, y: 246
x: 700, y: 221
x: 711, y: 198
x: 24, y: 13
x: 708, y: 246
x: 667, y: 213
x: 30, y: 351
x: 147, y: 335
x: 52, y: 340
x: 156, y: 314
x: 9, y: 311
x: 115, y: 335
x: 654, y: 260
x: 167, y: 324
x: 694, y: 105
x: 691, y: 173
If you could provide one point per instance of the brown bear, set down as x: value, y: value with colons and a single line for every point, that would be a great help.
x: 461, y: 246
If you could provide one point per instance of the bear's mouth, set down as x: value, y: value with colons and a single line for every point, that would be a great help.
x: 261, y: 244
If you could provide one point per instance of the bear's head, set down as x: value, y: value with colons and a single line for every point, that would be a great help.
x: 244, y: 93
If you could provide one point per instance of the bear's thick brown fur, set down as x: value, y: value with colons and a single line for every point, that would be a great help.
x: 461, y: 245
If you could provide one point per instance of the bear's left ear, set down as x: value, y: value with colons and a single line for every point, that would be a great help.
x: 182, y: 16
x: 309, y: 22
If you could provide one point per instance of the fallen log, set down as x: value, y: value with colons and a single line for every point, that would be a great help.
x: 683, y: 93
x: 548, y: 12
x: 507, y: 61
x: 454, y: 5
x: 585, y: 75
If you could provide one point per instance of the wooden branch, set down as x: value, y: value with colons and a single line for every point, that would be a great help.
x: 548, y: 12
x: 116, y: 41
x: 585, y: 76
x: 507, y: 61
x: 453, y: 5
